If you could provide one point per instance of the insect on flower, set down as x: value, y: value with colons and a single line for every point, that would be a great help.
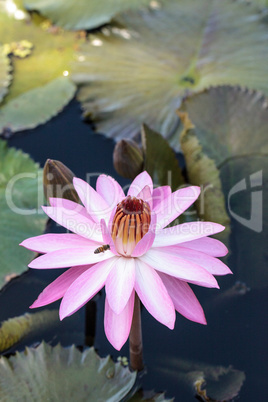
x: 101, y: 249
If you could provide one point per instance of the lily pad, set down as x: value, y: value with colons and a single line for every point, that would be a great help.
x: 21, y: 194
x: 15, y: 329
x: 140, y: 72
x: 5, y: 75
x: 82, y: 14
x: 36, y: 106
x: 230, y: 125
x: 59, y: 374
x: 53, y: 50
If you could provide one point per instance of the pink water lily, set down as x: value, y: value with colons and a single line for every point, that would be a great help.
x: 142, y: 254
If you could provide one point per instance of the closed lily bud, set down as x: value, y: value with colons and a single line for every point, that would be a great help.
x: 128, y: 159
x: 58, y: 181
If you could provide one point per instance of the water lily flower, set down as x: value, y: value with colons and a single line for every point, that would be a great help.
x: 123, y: 243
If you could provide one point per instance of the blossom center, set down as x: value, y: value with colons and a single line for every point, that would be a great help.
x: 131, y: 222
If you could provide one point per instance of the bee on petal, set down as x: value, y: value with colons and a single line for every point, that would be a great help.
x: 101, y: 249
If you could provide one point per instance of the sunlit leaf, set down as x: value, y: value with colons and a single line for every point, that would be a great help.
x: 53, y: 50
x: 36, y: 106
x: 15, y: 329
x: 140, y: 72
x: 82, y: 14
x: 227, y: 150
x: 5, y: 75
x: 63, y: 374
x: 210, y: 383
x: 21, y: 194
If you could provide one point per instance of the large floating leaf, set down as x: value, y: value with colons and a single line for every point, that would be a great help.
x: 82, y: 14
x: 52, y: 52
x: 230, y: 128
x: 21, y: 194
x: 58, y: 374
x: 140, y: 74
x: 5, y: 75
x: 15, y: 329
x: 36, y: 106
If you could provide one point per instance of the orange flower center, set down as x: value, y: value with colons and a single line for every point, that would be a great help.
x: 131, y: 222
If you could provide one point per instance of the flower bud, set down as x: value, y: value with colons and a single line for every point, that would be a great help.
x: 128, y: 159
x: 58, y: 181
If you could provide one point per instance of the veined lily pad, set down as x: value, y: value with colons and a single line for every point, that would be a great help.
x: 15, y: 329
x: 140, y: 72
x: 230, y: 128
x: 82, y: 14
x: 21, y: 194
x: 58, y: 374
x: 36, y: 106
x: 53, y: 50
x: 5, y: 76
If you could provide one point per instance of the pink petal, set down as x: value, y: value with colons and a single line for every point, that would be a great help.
x: 73, y: 207
x: 211, y: 264
x: 160, y: 194
x: 184, y: 299
x: 57, y: 288
x: 120, y: 283
x: 186, y: 232
x: 69, y: 257
x: 154, y: 295
x: 144, y: 244
x: 117, y: 326
x: 85, y: 287
x: 95, y: 205
x: 110, y: 190
x: 178, y: 267
x: 142, y: 180
x: 175, y: 205
x: 52, y: 242
x: 75, y: 222
x: 107, y: 238
x: 146, y: 195
x: 207, y: 245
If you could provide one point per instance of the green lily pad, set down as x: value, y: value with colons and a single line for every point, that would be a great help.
x: 229, y: 133
x: 82, y: 14
x: 36, y: 106
x: 60, y: 374
x: 5, y: 76
x: 209, y: 383
x: 140, y: 72
x: 53, y: 50
x: 21, y: 194
x: 15, y: 329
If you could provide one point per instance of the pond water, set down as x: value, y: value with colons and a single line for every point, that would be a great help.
x: 236, y: 333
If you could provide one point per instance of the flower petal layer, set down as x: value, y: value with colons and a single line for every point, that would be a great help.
x: 154, y: 295
x: 184, y: 299
x: 120, y: 283
x: 144, y: 244
x: 70, y: 257
x: 75, y: 221
x: 186, y: 232
x: 207, y: 245
x: 160, y: 194
x: 142, y: 180
x: 178, y: 267
x: 52, y: 242
x: 146, y: 195
x: 107, y: 238
x: 117, y: 326
x: 85, y: 287
x: 110, y: 190
x: 174, y: 205
x: 211, y: 264
x: 95, y: 205
x: 56, y: 289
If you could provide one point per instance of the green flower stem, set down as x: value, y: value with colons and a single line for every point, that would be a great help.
x: 135, y: 339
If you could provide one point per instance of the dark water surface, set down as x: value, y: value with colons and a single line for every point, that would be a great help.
x: 236, y: 333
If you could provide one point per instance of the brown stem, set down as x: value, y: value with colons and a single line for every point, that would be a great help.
x: 135, y: 338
